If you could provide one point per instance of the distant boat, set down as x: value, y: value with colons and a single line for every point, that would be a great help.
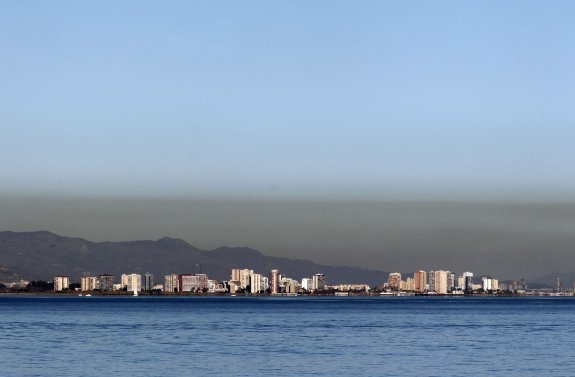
x: 135, y: 293
x: 88, y: 295
x: 80, y: 295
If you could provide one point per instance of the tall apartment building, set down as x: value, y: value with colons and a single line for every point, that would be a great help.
x: 290, y: 285
x: 431, y: 280
x: 410, y: 284
x: 242, y: 276
x: 468, y: 281
x: 132, y: 282
x: 235, y: 274
x: 439, y: 284
x: 420, y: 281
x: 61, y: 283
x: 106, y: 282
x: 245, y: 277
x: 450, y: 282
x: 394, y: 281
x: 171, y: 283
x: 318, y: 283
x: 307, y: 283
x: 275, y: 282
x: 489, y: 284
x: 257, y: 283
x: 148, y: 281
x: 88, y: 283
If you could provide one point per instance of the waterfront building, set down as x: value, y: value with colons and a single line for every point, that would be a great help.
x: 318, y: 282
x: 131, y: 282
x: 520, y: 285
x: 440, y: 284
x: 420, y: 281
x: 235, y: 274
x: 106, y: 282
x: 257, y: 283
x: 307, y: 283
x: 245, y: 277
x: 467, y: 281
x: 242, y: 276
x: 394, y: 281
x: 350, y: 287
x: 489, y: 284
x: 148, y: 281
x: 275, y: 282
x: 88, y: 283
x: 460, y: 283
x: 61, y: 283
x: 215, y: 286
x: 184, y: 282
x: 495, y: 284
x: 290, y: 285
x: 450, y: 282
x: 199, y: 282
x: 192, y: 282
x: 234, y: 286
x: 410, y: 284
x: 431, y: 280
x: 171, y: 283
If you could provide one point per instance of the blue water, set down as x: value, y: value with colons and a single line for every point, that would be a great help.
x: 268, y: 336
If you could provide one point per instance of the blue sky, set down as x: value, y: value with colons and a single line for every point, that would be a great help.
x: 388, y: 135
x: 287, y: 99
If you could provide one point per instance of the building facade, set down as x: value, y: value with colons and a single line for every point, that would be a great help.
x: 61, y: 283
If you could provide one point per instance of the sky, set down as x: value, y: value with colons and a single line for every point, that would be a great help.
x: 374, y: 133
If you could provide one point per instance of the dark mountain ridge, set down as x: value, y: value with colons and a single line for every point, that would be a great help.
x: 41, y: 255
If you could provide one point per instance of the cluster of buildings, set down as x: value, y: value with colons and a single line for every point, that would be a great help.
x: 241, y: 281
x: 247, y: 281
x: 445, y: 282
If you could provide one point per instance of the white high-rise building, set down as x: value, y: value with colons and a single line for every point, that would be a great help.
x: 132, y: 282
x: 318, y: 282
x: 88, y: 283
x: 61, y: 283
x: 489, y: 284
x: 257, y: 283
x: 245, y: 277
x: 394, y: 281
x: 440, y: 282
x: 307, y: 284
x: 275, y: 282
x: 171, y: 283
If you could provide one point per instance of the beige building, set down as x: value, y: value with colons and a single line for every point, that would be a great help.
x: 440, y: 282
x: 61, y: 283
x: 275, y: 282
x: 171, y: 283
x: 420, y: 281
x: 132, y: 282
x: 318, y: 282
x: 88, y: 283
x: 394, y: 281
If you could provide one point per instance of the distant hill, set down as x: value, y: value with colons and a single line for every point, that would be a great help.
x: 42, y: 255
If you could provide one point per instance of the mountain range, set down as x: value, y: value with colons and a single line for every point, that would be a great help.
x: 42, y: 255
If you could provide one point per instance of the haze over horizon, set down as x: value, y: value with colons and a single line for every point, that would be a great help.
x: 388, y: 135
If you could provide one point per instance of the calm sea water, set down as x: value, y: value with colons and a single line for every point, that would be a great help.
x: 239, y: 336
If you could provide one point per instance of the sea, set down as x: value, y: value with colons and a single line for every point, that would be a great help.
x: 286, y: 336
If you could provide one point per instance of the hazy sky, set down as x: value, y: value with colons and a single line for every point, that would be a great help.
x: 370, y: 101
